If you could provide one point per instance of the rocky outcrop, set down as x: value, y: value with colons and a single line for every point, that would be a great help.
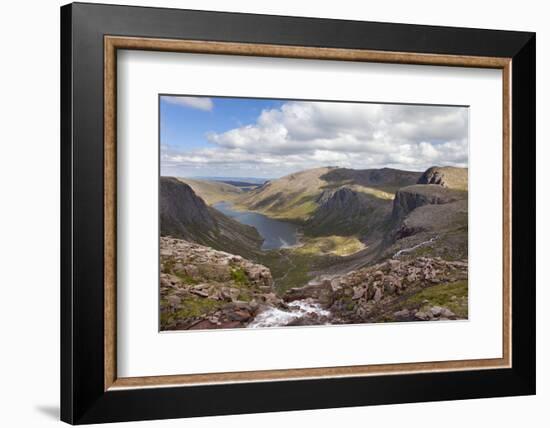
x: 204, y: 288
x: 185, y: 215
x: 410, y: 198
x: 447, y: 176
x: 345, y: 211
x: 317, y: 290
x: 367, y: 294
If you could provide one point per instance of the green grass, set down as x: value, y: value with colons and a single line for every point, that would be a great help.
x: 168, y: 267
x: 239, y: 276
x: 442, y: 295
x: 380, y: 194
x: 289, y: 268
x: 185, y: 278
x: 193, y: 306
x: 297, y: 210
x: 337, y: 245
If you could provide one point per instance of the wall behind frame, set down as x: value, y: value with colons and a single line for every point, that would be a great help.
x: 29, y: 219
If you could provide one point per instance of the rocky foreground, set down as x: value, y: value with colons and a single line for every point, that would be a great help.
x: 202, y: 288
x: 419, y: 289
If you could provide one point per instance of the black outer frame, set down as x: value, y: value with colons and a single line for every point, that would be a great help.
x: 83, y: 399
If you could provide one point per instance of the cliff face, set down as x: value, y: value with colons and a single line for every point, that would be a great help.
x: 410, y: 198
x: 181, y: 210
x: 347, y: 212
x: 185, y: 215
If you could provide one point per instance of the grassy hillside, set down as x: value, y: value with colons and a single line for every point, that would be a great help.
x: 297, y: 196
x: 292, y: 197
x: 213, y: 191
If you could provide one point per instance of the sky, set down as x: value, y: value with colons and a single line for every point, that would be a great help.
x: 245, y: 137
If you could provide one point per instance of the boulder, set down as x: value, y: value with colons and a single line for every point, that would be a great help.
x: 358, y: 292
x: 378, y: 294
x: 403, y: 313
x: 423, y: 316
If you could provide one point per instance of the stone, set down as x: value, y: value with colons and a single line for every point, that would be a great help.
x: 336, y: 284
x: 371, y: 289
x: 377, y: 294
x: 234, y: 293
x: 447, y: 313
x: 203, y: 325
x: 239, y: 315
x: 412, y: 277
x: 436, y: 311
x: 271, y: 299
x: 422, y: 316
x: 358, y: 292
x: 378, y: 274
x: 403, y: 313
x: 200, y: 293
x: 389, y: 288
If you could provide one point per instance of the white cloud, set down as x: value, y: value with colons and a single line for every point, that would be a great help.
x: 200, y: 103
x: 301, y: 135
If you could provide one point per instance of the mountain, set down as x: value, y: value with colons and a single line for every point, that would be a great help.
x: 291, y: 197
x: 297, y: 196
x: 185, y: 215
x: 213, y: 191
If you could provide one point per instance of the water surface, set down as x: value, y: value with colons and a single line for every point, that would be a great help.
x: 276, y: 233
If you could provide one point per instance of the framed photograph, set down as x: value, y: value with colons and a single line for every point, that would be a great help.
x: 266, y: 213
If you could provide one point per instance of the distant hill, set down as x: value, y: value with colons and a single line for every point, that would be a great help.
x: 245, y: 185
x: 384, y: 179
x: 213, y: 191
x: 185, y: 215
x: 296, y: 196
x: 290, y: 197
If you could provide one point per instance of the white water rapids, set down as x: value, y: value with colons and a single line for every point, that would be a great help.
x: 275, y: 317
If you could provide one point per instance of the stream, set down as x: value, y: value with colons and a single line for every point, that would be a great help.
x: 298, y: 310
